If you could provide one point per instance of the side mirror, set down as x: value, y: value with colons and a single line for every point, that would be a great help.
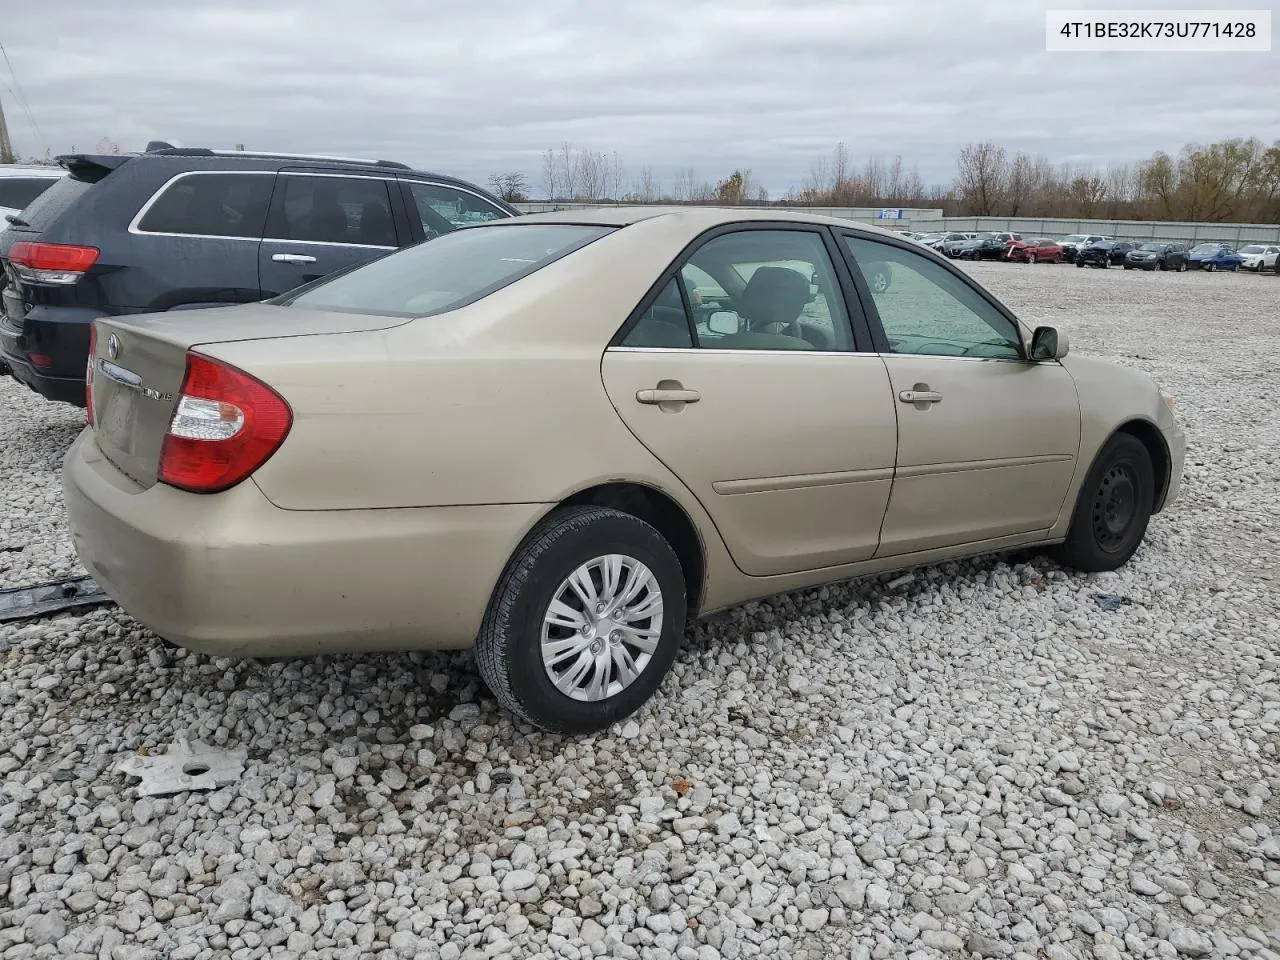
x: 1048, y: 344
x: 723, y: 322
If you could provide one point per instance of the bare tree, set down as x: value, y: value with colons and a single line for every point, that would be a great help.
x: 551, y: 175
x: 982, y: 175
x: 647, y: 189
x: 511, y: 187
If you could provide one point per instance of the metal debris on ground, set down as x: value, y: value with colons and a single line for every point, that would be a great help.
x: 21, y: 603
x: 184, y: 766
x: 1110, y: 602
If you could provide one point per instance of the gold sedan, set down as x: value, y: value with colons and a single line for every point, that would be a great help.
x: 558, y: 437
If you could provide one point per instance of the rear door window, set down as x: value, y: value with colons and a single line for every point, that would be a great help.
x: 333, y: 209
x: 18, y: 192
x: 210, y: 205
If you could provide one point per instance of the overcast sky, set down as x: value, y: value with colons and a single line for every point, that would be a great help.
x: 474, y: 88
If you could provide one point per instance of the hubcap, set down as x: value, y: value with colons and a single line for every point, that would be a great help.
x: 1115, y: 506
x: 602, y: 627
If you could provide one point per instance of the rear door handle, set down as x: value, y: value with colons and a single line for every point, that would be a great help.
x: 668, y: 396
x: 293, y: 258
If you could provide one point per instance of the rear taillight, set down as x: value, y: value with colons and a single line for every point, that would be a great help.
x: 88, y: 372
x: 225, y: 426
x: 51, y: 262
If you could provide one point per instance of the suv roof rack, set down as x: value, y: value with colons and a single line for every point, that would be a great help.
x: 270, y: 154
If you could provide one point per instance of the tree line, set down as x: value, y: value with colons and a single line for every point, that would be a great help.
x: 1235, y: 180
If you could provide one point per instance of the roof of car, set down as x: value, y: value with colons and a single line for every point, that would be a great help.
x: 702, y: 217
x: 30, y: 170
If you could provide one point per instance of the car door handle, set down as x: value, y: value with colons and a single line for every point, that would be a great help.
x: 293, y: 258
x: 668, y: 396
x: 920, y: 396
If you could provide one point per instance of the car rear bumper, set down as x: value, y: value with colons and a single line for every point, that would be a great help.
x: 62, y: 389
x: 233, y: 575
x: 61, y: 336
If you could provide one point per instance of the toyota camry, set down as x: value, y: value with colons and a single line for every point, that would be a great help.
x: 528, y: 436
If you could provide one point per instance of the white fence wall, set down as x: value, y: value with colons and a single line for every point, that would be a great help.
x: 924, y: 219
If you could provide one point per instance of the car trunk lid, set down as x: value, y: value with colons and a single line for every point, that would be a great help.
x: 138, y: 364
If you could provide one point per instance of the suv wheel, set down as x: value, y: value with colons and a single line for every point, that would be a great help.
x: 585, y: 621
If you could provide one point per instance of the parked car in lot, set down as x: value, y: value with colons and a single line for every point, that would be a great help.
x: 1073, y: 242
x: 1214, y: 256
x: 947, y: 240
x: 1259, y: 256
x: 175, y: 229
x: 1037, y: 250
x: 985, y: 246
x: 443, y: 448
x: 22, y: 183
x: 1157, y: 256
x: 1103, y: 253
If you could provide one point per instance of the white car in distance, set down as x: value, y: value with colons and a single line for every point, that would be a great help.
x: 1259, y: 256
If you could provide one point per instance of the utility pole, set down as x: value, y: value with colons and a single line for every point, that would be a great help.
x: 6, y: 148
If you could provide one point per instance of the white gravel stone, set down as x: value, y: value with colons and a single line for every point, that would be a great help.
x: 980, y: 760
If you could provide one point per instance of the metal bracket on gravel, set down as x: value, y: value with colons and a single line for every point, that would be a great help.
x: 185, y: 766
x: 21, y: 603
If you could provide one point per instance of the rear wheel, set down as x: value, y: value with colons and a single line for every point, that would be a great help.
x: 585, y: 621
x: 1182, y: 267
x: 1112, y: 509
x: 1031, y: 258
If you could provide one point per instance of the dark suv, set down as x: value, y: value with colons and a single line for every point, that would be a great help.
x: 174, y: 229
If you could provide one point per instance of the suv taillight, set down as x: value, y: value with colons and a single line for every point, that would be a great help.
x: 88, y: 372
x: 51, y: 262
x: 225, y: 426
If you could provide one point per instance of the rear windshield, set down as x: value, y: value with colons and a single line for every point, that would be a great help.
x: 445, y: 273
x: 54, y: 202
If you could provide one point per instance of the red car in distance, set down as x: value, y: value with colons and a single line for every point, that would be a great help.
x: 1038, y: 250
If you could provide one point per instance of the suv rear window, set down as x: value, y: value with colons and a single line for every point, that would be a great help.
x: 446, y: 273
x: 18, y: 192
x: 54, y: 202
x: 211, y: 205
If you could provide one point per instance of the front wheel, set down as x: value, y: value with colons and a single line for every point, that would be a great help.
x: 1209, y: 267
x: 1079, y: 263
x: 1182, y: 267
x: 1112, y: 508
x: 585, y: 621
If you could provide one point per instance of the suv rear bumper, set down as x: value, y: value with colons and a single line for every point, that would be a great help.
x: 59, y: 333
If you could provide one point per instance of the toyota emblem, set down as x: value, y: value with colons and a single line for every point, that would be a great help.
x: 113, y: 347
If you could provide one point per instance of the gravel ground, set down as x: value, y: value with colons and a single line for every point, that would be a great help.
x: 979, y: 762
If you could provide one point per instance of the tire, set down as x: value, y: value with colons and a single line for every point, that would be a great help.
x: 1112, y: 509
x: 509, y: 648
x: 1031, y: 258
x: 1127, y: 267
x: 1160, y: 265
x: 1079, y: 263
x: 1057, y: 258
x: 1208, y: 267
x: 1182, y: 267
x: 879, y: 278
